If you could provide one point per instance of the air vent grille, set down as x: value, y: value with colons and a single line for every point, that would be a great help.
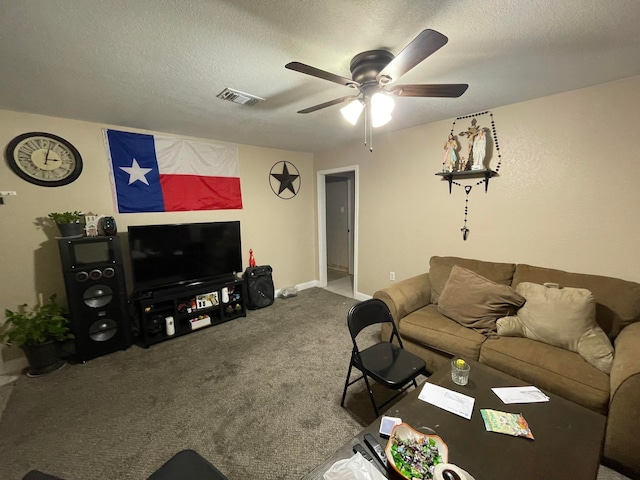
x: 236, y: 96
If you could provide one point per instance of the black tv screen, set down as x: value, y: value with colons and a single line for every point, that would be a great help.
x: 165, y: 255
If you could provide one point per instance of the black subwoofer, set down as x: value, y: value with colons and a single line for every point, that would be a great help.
x: 96, y: 294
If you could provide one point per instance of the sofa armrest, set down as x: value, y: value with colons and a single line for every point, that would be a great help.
x: 622, y: 443
x: 406, y: 296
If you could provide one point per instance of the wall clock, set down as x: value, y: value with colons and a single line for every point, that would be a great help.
x: 44, y: 159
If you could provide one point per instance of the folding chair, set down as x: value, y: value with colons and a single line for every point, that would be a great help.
x: 388, y: 364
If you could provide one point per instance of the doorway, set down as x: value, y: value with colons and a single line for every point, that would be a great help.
x: 338, y: 230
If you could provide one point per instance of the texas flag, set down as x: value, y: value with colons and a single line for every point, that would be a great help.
x: 152, y: 173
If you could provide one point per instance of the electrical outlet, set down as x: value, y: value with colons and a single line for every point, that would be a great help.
x: 392, y: 276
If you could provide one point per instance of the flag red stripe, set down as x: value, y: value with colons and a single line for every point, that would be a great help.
x: 192, y: 192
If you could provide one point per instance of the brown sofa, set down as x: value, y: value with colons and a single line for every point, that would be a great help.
x: 436, y: 338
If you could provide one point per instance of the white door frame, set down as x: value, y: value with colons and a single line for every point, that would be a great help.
x: 322, y: 223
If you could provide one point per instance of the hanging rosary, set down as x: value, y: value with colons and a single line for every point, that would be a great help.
x: 452, y: 166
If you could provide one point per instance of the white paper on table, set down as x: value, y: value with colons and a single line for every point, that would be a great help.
x: 520, y: 395
x: 448, y: 400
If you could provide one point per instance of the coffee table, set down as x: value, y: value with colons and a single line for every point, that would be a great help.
x: 568, y: 437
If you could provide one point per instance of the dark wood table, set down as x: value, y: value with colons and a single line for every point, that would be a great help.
x: 568, y: 438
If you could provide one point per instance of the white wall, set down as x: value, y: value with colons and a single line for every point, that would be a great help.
x: 566, y: 196
x: 281, y: 232
x: 337, y: 205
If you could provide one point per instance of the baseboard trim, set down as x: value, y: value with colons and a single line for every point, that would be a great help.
x: 362, y: 296
x: 341, y: 268
x: 316, y: 283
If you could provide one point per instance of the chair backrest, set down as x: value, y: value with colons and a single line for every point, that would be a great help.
x: 366, y: 313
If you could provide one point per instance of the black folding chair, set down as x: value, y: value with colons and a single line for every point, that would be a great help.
x: 388, y: 364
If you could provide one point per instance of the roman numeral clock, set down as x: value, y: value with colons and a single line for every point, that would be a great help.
x: 44, y: 159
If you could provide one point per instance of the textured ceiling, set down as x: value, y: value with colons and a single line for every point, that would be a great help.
x: 159, y: 64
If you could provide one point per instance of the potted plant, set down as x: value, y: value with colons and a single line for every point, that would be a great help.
x: 70, y: 224
x: 39, y: 332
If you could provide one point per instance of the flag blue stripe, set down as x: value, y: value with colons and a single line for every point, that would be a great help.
x: 137, y: 197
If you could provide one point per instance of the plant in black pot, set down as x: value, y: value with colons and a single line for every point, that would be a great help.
x: 70, y: 224
x: 39, y: 332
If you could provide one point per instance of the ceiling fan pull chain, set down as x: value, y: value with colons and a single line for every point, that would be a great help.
x: 370, y: 138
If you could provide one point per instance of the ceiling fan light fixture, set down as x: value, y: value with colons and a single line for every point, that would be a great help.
x: 352, y: 111
x: 381, y: 108
x: 381, y: 103
x: 380, y: 120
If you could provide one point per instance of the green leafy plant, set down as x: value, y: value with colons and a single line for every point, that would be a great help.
x: 35, y: 326
x: 67, y: 217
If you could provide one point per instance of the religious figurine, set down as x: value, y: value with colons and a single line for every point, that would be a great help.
x: 450, y: 157
x: 463, y: 164
x: 479, y: 150
x: 475, y: 143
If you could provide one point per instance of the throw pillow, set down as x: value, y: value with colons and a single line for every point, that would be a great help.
x: 562, y: 317
x: 476, y: 302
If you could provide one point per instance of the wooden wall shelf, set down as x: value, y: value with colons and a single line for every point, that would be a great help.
x: 487, y: 174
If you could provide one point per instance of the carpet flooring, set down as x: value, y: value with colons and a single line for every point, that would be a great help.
x: 257, y: 396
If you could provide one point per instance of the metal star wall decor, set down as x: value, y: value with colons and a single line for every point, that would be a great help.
x: 289, y: 183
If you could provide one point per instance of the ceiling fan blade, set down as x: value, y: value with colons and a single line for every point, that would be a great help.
x: 442, y: 90
x: 427, y: 42
x: 328, y: 104
x: 316, y: 72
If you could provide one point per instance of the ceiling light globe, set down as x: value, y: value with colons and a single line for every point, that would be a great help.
x: 351, y: 112
x: 381, y: 103
x: 380, y: 120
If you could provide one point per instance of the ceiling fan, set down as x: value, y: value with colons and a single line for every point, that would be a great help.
x: 374, y: 72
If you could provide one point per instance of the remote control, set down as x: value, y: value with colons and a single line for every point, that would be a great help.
x: 359, y: 449
x: 376, y: 448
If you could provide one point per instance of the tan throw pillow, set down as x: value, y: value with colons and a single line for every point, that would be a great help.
x: 562, y: 317
x: 476, y: 302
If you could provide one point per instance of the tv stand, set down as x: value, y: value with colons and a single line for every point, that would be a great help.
x: 174, y: 311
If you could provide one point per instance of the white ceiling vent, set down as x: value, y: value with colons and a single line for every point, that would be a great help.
x: 236, y: 96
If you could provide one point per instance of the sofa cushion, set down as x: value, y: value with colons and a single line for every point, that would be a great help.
x: 551, y: 368
x: 440, y: 268
x: 617, y: 301
x: 476, y: 302
x: 563, y: 317
x: 429, y: 328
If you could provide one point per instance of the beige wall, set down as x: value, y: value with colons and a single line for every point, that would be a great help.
x: 281, y: 232
x: 567, y: 194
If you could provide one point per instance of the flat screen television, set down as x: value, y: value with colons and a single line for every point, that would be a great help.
x: 179, y: 254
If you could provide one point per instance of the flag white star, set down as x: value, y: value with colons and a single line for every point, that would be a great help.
x: 136, y: 172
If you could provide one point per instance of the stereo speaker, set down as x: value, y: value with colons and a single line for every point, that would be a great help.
x: 260, y: 289
x: 96, y: 294
x: 108, y: 225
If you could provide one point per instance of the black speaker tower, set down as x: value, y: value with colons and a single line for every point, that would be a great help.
x: 96, y: 294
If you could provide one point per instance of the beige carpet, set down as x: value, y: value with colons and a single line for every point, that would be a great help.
x: 258, y: 397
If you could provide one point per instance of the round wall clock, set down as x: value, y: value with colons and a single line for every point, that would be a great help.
x: 44, y: 159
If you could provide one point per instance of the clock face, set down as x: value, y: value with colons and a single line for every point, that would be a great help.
x: 44, y: 159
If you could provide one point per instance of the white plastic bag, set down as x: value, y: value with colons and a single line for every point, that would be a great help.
x: 438, y: 469
x: 354, y: 468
